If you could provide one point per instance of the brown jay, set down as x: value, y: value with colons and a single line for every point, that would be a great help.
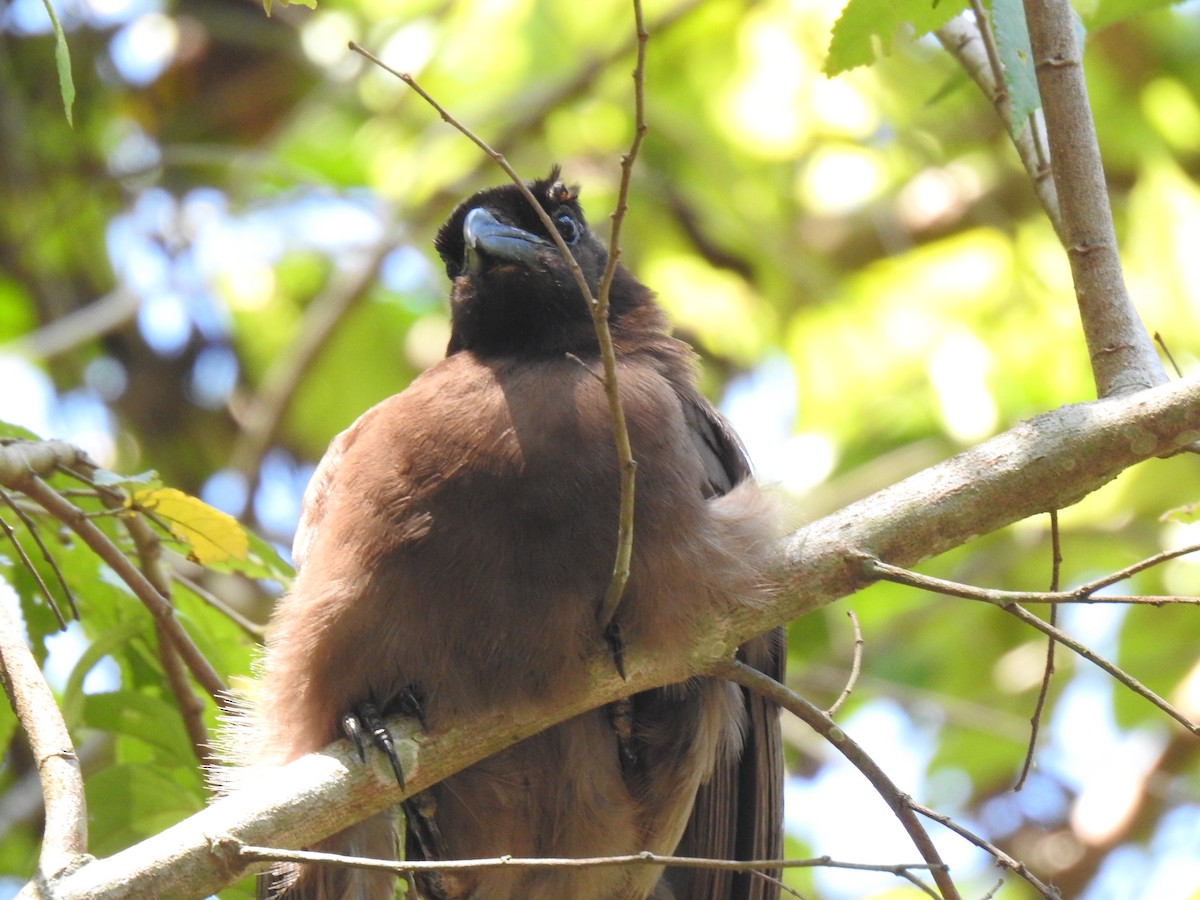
x: 455, y: 545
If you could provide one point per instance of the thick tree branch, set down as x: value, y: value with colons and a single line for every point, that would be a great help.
x: 1048, y: 462
x: 1122, y: 356
x: 65, y: 838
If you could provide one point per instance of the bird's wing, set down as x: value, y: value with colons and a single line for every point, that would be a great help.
x: 738, y: 813
x: 724, y: 457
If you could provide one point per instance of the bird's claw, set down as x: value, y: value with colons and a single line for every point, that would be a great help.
x: 366, y: 718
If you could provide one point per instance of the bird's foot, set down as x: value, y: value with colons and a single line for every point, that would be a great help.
x: 366, y: 722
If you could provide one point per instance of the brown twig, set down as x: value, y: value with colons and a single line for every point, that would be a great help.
x: 598, y: 309
x: 1035, y: 721
x: 878, y: 569
x: 65, y: 836
x: 74, y: 518
x: 29, y: 566
x: 1122, y: 356
x: 982, y: 26
x: 1162, y: 344
x: 252, y: 630
x: 1002, y: 859
x: 191, y: 709
x: 620, y: 576
x: 646, y: 858
x: 965, y: 41
x: 855, y: 667
x: 899, y: 802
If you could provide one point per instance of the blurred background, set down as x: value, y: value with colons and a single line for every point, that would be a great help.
x: 228, y: 258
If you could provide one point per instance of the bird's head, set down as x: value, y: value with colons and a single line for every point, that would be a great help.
x: 513, y: 293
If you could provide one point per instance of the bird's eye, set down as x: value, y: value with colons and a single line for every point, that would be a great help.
x: 567, y: 227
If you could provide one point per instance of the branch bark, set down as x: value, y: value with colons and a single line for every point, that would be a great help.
x: 1046, y: 463
x: 65, y: 838
x: 1122, y: 356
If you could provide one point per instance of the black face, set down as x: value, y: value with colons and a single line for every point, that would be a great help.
x: 513, y: 292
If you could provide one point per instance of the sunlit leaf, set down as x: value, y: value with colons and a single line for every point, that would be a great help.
x: 865, y: 22
x: 211, y: 535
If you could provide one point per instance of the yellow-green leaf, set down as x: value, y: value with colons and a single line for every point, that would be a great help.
x: 211, y: 535
x: 62, y: 61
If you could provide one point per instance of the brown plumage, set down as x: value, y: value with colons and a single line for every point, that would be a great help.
x: 455, y: 545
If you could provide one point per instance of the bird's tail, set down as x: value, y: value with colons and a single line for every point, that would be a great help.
x: 374, y: 838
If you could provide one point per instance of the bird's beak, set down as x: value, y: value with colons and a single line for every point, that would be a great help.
x: 485, y: 236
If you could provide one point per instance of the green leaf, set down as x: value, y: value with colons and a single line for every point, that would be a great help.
x: 149, y: 719
x: 1012, y: 43
x: 311, y: 4
x: 865, y: 22
x: 62, y: 61
x: 262, y: 560
x: 127, y: 803
x: 8, y: 430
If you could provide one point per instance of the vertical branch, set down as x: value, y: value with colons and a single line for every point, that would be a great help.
x: 1122, y: 356
x: 1035, y: 720
x: 620, y: 576
x: 65, y: 838
x: 191, y: 709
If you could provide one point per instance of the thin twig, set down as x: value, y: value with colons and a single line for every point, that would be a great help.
x: 1035, y: 721
x: 191, y: 709
x: 983, y: 26
x: 65, y: 833
x: 1140, y: 566
x: 899, y: 802
x: 855, y: 667
x: 599, y: 319
x: 1003, y: 859
x: 253, y: 630
x: 31, y: 526
x: 645, y: 858
x: 31, y: 568
x: 898, y: 575
x: 1162, y: 344
x: 964, y: 40
x: 70, y: 515
x: 620, y: 576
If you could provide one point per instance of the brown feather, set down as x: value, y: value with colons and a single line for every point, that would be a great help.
x: 456, y: 541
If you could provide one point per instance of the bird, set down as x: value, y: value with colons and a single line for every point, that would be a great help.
x: 454, y: 547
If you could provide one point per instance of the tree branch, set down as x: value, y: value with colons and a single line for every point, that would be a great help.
x: 899, y: 802
x: 1122, y: 356
x: 964, y: 40
x: 1049, y: 462
x: 65, y: 837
